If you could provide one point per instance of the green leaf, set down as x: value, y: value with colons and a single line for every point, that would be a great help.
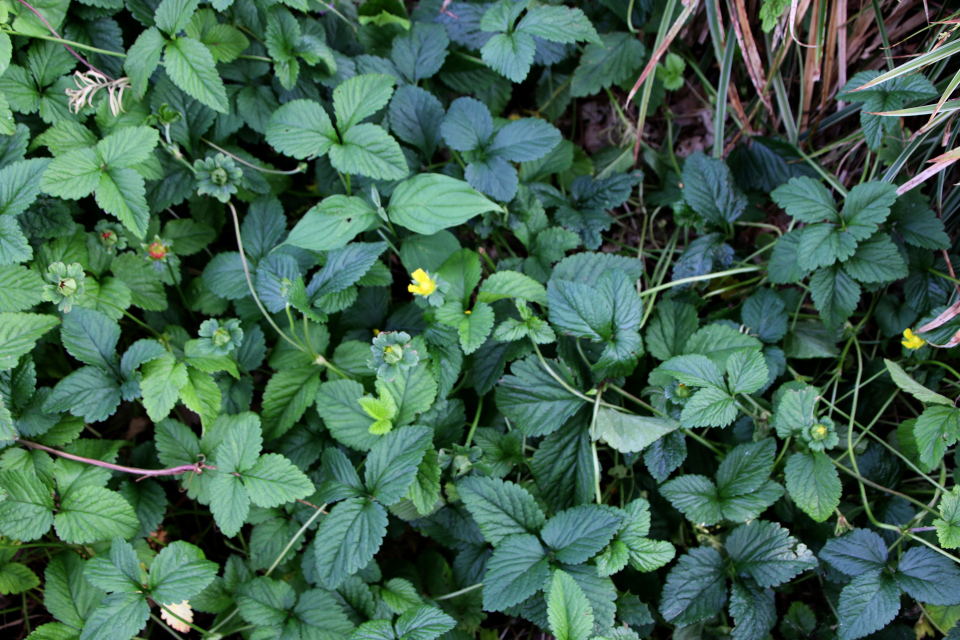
x: 400, y: 595
x: 162, y: 381
x: 142, y: 59
x: 510, y: 55
x: 301, y: 129
x: 867, y: 206
x: 288, y: 394
x: 630, y: 433
x: 393, y: 461
x: 709, y: 407
x: 510, y: 284
x: 89, y: 392
x: 274, y: 481
x: 19, y: 288
x: 814, y: 484
x: 500, y: 508
x: 368, y: 150
x: 430, y: 202
x: 858, y: 552
x: 120, y: 615
x: 696, y: 497
x: 948, y: 524
x: 937, y: 428
x: 568, y: 610
x: 709, y: 189
x: 423, y: 623
x: 264, y: 601
x: 718, y: 342
x: 425, y: 491
x: 121, y: 192
x: 558, y: 24
x: 192, y: 68
x: 413, y: 391
x: 534, y: 399
x: 128, y: 147
x: 67, y: 594
x: 14, y: 247
x: 671, y: 326
x: 746, y: 371
x: 613, y: 60
x: 765, y: 552
x: 347, y: 539
x: 201, y: 395
x: 473, y: 325
x: 696, y: 588
x: 914, y: 388
x: 867, y: 604
x: 360, y: 97
x: 90, y: 514
x: 578, y: 534
x: 753, y: 609
x: 179, y: 572
x: 333, y: 223
x: 348, y: 423
x: 516, y: 570
x: 580, y: 310
x: 91, y: 337
x: 807, y: 200
x: 172, y: 16
x: 229, y: 503
x: 929, y: 577
x: 19, y: 333
x: 20, y: 184
x: 835, y: 294
x: 765, y: 314
x: 420, y: 52
x: 27, y: 511
x: 876, y: 260
x: 822, y: 245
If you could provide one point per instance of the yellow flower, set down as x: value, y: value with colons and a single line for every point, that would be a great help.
x: 423, y: 285
x: 467, y: 312
x: 912, y: 340
x: 819, y: 432
x: 376, y: 332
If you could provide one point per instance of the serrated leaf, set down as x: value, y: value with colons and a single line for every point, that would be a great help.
x: 708, y: 187
x: 162, y: 381
x: 360, y: 97
x: 368, y: 150
x: 287, y: 395
x: 91, y: 514
x: 806, y: 200
x: 500, y: 508
x: 613, y: 60
x: 19, y: 288
x: 929, y: 577
x: 516, y: 570
x: 695, y: 589
x: 814, y: 484
x: 568, y: 610
x: 27, y: 511
x: 89, y: 392
x: 629, y: 433
x: 510, y: 55
x: 423, y: 623
x: 576, y: 535
x: 867, y: 206
x: 19, y: 333
x: 937, y: 428
x: 347, y: 539
x: 867, y: 604
x: 765, y: 552
x: 192, y: 68
x: 273, y: 481
x: 511, y: 284
x: 393, y: 461
x: 858, y: 552
x: 534, y: 399
x: 179, y: 572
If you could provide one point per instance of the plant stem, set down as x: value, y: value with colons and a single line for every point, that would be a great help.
x: 130, y: 316
x: 476, y: 421
x: 246, y: 271
x: 197, y: 467
x: 78, y: 45
x: 293, y: 540
x: 459, y: 593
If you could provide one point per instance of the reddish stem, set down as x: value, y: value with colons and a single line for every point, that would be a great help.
x: 54, y: 32
x: 197, y: 467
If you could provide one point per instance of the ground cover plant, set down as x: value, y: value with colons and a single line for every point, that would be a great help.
x: 383, y: 321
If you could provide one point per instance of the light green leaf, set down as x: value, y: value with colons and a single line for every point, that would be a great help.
x: 301, y: 129
x: 19, y: 288
x: 192, y: 68
x: 73, y: 175
x: 179, y: 572
x: 511, y: 284
x: 288, y: 394
x: 914, y: 388
x: 121, y: 192
x: 568, y: 610
x: 19, y: 333
x: 360, y: 97
x: 368, y: 150
x: 430, y: 202
x: 630, y: 433
x: 814, y: 484
x: 162, y: 381
x: 91, y: 514
x: 274, y: 481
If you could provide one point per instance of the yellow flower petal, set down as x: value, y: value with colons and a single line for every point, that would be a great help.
x: 912, y: 340
x: 423, y: 284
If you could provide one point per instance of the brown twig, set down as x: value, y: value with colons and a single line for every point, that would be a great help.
x: 196, y: 467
